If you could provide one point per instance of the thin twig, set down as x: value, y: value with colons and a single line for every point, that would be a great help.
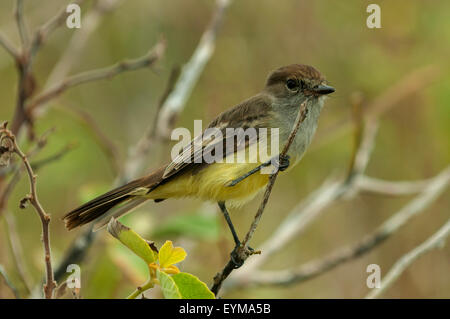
x: 243, y: 251
x: 74, y: 50
x: 50, y: 284
x: 44, y: 31
x: 191, y: 71
x: 175, y: 99
x: 435, y: 241
x: 412, y: 83
x: 95, y: 75
x: 8, y: 46
x: 312, y: 207
x: 314, y: 268
x: 6, y: 191
x: 137, y: 154
x: 390, y: 188
x: 302, y: 113
x: 21, y: 26
x: 25, y: 64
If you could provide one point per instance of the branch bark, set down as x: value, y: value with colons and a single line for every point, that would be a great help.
x: 243, y: 251
x: 21, y: 26
x: 95, y: 75
x: 9, y: 47
x: 435, y: 241
x: 50, y: 284
x: 253, y: 276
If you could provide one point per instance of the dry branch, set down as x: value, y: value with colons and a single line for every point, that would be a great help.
x: 311, y: 208
x: 50, y: 284
x: 435, y: 241
x: 390, y: 188
x: 412, y: 83
x: 191, y: 72
x: 173, y: 104
x: 243, y: 251
x: 78, y: 41
x: 21, y: 26
x: 177, y: 91
x: 314, y: 268
x: 44, y: 31
x: 24, y: 62
x: 138, y: 153
x: 8, y: 46
x: 95, y: 75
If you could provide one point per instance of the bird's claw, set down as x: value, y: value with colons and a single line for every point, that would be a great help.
x: 236, y: 255
x: 283, y: 162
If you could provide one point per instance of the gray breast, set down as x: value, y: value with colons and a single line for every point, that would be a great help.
x: 305, y: 133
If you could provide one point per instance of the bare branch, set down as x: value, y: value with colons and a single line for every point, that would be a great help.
x: 410, y: 84
x: 44, y: 31
x: 36, y: 165
x: 435, y: 241
x: 313, y: 206
x: 190, y: 73
x: 392, y: 188
x: 50, y: 284
x: 314, y: 268
x: 8, y: 46
x: 74, y: 50
x: 24, y: 63
x: 4, y: 195
x: 137, y: 154
x: 95, y: 75
x: 300, y: 118
x: 243, y: 251
x: 23, y: 31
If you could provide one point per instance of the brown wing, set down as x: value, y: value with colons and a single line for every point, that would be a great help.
x: 242, y: 116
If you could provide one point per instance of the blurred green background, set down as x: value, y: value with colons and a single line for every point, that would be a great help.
x: 256, y: 37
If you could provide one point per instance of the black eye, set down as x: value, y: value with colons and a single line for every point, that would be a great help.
x: 292, y: 84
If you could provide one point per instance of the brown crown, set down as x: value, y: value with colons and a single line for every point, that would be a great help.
x: 300, y: 71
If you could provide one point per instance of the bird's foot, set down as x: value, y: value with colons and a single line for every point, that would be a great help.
x: 240, y: 253
x: 283, y: 162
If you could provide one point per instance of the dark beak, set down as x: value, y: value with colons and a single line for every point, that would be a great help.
x: 323, y: 89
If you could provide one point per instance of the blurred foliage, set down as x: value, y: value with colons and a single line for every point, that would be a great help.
x: 198, y: 226
x: 257, y: 37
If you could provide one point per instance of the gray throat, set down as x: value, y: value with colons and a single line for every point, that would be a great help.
x: 306, y: 131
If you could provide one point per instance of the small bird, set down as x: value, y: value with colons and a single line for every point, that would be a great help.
x: 229, y: 183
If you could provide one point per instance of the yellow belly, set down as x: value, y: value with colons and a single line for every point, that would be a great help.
x: 211, y: 183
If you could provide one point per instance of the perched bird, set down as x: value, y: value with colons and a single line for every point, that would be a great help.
x: 226, y: 181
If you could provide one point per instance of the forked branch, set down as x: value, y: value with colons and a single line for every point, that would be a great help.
x: 9, y: 139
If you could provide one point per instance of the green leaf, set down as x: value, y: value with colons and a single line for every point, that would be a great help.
x: 168, y: 286
x: 169, y: 255
x: 190, y: 287
x: 200, y: 226
x: 133, y: 241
